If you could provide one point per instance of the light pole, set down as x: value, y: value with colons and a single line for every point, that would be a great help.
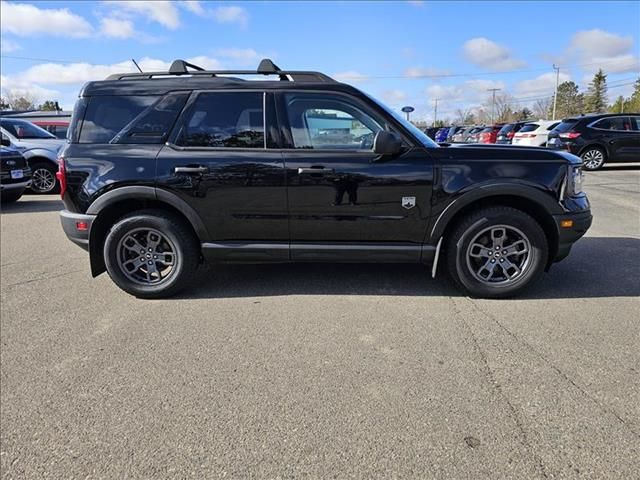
x: 555, y: 95
x: 493, y: 101
x: 435, y: 111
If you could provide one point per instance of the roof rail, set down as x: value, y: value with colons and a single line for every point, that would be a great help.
x: 266, y: 67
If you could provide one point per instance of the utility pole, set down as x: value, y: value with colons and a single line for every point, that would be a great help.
x: 555, y: 95
x: 493, y: 101
x: 435, y: 111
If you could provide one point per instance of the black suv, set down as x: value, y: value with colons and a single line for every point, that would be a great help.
x: 166, y: 170
x: 506, y: 133
x: 599, y: 138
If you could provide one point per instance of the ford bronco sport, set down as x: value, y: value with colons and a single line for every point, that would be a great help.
x: 166, y: 170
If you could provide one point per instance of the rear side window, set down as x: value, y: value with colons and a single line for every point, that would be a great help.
x: 613, y: 123
x: 507, y: 128
x: 529, y: 127
x: 107, y: 115
x: 553, y: 125
x: 635, y: 123
x: 565, y: 126
x: 225, y: 119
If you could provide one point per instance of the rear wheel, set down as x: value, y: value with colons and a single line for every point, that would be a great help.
x: 151, y: 254
x: 496, y: 252
x: 43, y: 178
x: 593, y: 158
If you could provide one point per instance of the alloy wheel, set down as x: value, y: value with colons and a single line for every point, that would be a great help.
x: 593, y: 159
x: 499, y: 255
x: 146, y: 256
x: 43, y: 180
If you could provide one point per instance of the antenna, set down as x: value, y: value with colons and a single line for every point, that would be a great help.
x: 136, y: 64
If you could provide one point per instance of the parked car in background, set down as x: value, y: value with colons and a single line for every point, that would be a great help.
x: 39, y: 147
x: 599, y: 139
x: 489, y: 134
x: 15, y: 174
x: 53, y: 122
x: 460, y: 135
x: 453, y: 130
x: 506, y: 133
x: 473, y: 134
x: 441, y: 135
x: 535, y: 134
x: 431, y: 132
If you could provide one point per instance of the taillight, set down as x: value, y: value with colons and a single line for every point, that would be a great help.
x: 61, y: 175
x: 526, y: 135
x: 511, y: 134
x: 569, y: 135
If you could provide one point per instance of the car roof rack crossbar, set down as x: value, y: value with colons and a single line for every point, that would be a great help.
x: 266, y: 67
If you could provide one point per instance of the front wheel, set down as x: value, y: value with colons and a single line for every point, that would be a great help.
x: 151, y: 254
x: 496, y: 252
x: 593, y: 158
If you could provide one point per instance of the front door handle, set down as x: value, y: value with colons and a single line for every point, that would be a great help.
x: 198, y: 169
x: 317, y: 170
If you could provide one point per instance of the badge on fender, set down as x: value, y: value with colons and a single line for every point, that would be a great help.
x: 408, y: 202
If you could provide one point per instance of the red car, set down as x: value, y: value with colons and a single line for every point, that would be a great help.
x: 490, y: 134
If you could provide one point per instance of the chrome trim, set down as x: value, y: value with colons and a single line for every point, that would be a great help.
x: 435, y: 259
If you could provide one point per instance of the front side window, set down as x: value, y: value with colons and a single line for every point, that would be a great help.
x: 225, y: 120
x: 635, y: 123
x: 327, y: 122
x: 613, y: 123
x: 107, y: 115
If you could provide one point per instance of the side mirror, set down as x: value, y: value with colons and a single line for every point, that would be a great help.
x: 5, y: 141
x: 387, y: 143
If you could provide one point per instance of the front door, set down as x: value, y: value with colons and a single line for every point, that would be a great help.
x: 345, y: 201
x: 217, y: 160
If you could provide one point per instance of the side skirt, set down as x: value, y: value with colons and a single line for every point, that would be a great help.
x: 261, y: 252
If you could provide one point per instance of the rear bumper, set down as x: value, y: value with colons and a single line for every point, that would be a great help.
x: 5, y: 187
x: 71, y: 223
x: 568, y: 235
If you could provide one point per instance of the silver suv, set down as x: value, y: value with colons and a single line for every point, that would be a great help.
x: 39, y: 147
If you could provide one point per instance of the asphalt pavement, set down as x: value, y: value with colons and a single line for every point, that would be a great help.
x: 321, y: 371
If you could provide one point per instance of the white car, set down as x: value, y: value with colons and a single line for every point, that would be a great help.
x: 534, y: 134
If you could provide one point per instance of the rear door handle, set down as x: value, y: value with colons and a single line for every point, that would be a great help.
x: 198, y: 169
x: 317, y: 170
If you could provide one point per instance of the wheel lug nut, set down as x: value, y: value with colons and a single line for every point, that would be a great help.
x: 493, y: 260
x: 150, y: 262
x: 504, y: 252
x: 502, y: 260
x: 155, y: 256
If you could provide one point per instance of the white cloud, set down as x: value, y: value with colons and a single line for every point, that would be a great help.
x: 350, y: 76
x: 194, y: 6
x: 417, y: 72
x: 394, y: 96
x: 231, y: 14
x: 78, y: 73
x: 241, y: 56
x: 24, y: 20
x: 163, y: 12
x: 10, y: 86
x: 541, y: 85
x: 489, y: 55
x: 599, y: 43
x: 116, y: 27
x: 469, y: 91
x: 8, y: 46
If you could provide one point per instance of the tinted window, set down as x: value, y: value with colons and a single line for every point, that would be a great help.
x: 529, y: 127
x: 107, y: 115
x: 329, y: 122
x: 507, y: 128
x: 225, y: 119
x: 25, y: 130
x: 613, y: 123
x: 635, y: 123
x: 565, y: 126
x: 486, y: 130
x: 553, y: 125
x: 154, y: 123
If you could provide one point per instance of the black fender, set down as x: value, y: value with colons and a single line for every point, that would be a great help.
x: 527, y: 193
x: 135, y: 193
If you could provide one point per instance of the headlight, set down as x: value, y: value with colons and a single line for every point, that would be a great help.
x: 574, y: 186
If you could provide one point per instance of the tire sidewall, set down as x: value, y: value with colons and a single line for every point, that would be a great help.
x: 51, y: 169
x: 537, y: 259
x: 589, y: 149
x: 119, y: 231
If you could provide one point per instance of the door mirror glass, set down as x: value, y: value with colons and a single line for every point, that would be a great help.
x: 387, y: 143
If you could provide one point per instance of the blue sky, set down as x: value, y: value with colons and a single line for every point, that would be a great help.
x: 402, y: 52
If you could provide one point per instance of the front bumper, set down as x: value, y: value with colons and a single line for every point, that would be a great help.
x: 570, y: 227
x: 77, y: 227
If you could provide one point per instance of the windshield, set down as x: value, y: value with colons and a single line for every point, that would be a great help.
x: 529, y: 127
x: 25, y: 130
x: 415, y: 131
x: 507, y: 128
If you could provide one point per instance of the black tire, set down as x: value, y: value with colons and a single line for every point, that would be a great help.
x: 176, y: 237
x: 593, y: 158
x: 43, y: 178
x: 466, y: 264
x: 11, y: 196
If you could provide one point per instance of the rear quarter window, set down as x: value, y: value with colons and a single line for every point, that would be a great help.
x: 565, y: 126
x: 529, y: 127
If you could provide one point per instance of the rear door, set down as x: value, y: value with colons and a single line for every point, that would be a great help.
x: 218, y: 161
x: 619, y: 136
x: 344, y: 199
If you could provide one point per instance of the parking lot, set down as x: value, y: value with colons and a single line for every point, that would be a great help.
x: 282, y: 371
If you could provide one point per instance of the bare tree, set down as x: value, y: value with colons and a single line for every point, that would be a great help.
x: 542, y: 107
x: 22, y: 100
x: 462, y: 115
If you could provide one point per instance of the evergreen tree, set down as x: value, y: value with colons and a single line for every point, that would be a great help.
x: 49, y: 106
x: 570, y: 100
x: 596, y: 99
x: 634, y: 101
